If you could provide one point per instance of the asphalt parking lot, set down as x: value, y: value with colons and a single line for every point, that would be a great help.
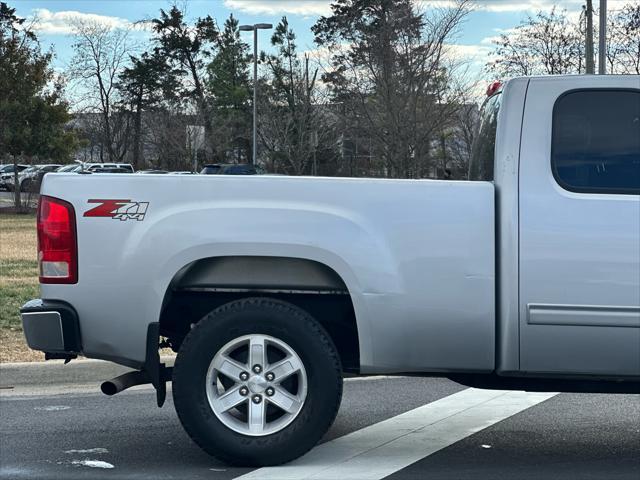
x: 397, y: 428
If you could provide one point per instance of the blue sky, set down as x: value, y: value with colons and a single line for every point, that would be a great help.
x: 474, y: 40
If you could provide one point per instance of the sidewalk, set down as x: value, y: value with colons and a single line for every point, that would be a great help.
x: 54, y: 372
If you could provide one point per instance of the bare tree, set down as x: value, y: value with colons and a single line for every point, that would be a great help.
x: 100, y: 55
x: 295, y: 120
x: 552, y: 44
x: 457, y: 133
x: 166, y: 140
x: 544, y: 44
x: 388, y: 69
x: 623, y: 46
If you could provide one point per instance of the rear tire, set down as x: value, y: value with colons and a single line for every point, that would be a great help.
x: 212, y: 362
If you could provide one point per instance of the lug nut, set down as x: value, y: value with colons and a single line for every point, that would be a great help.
x: 270, y: 391
x: 270, y: 376
x: 257, y: 368
x: 256, y: 399
x: 244, y: 376
x: 244, y: 391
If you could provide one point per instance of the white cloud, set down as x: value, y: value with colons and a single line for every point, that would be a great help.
x: 281, y: 7
x: 470, y: 58
x: 461, y: 55
x: 502, y: 6
x: 536, y: 5
x: 61, y: 23
x: 323, y: 7
x: 471, y: 52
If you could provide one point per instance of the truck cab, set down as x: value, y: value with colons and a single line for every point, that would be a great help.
x: 564, y: 156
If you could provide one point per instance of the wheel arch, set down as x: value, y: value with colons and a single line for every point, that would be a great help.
x: 257, y: 273
x: 207, y: 283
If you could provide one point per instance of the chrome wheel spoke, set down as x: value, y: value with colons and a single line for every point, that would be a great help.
x: 285, y: 401
x: 229, y: 367
x: 230, y: 399
x: 285, y: 368
x: 257, y: 351
x: 257, y: 417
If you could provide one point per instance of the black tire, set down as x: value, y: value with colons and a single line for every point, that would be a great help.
x: 287, y: 323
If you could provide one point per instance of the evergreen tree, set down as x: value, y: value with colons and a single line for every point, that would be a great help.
x: 144, y: 86
x: 231, y: 93
x: 188, y: 49
x: 32, y: 112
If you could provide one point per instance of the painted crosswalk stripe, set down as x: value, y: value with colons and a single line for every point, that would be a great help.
x: 379, y: 450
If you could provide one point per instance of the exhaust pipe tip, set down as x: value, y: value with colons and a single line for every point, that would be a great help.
x: 109, y: 388
x: 124, y: 381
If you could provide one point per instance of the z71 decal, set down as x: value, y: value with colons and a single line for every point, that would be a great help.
x: 118, y: 209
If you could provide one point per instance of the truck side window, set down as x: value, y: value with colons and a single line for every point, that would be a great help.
x: 595, y: 145
x: 484, y: 145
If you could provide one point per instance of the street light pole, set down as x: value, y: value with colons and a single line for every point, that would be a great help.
x: 255, y: 28
x: 589, y: 32
x: 602, y: 54
x: 255, y: 96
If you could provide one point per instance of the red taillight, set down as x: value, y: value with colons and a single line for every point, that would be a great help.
x: 57, y: 245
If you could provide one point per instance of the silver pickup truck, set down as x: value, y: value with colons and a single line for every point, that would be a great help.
x: 270, y: 289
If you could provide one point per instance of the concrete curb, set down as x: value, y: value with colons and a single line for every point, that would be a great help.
x: 54, y: 372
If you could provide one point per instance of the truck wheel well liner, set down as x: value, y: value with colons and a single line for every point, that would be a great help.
x: 206, y: 284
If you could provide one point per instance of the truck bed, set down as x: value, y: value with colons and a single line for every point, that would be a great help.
x: 417, y: 256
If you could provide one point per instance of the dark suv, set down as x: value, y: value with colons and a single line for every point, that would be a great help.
x: 232, y: 169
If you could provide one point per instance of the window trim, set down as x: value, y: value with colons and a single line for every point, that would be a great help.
x: 556, y: 176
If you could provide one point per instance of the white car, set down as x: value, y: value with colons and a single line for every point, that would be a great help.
x: 30, y: 178
x: 7, y: 174
x: 93, y: 167
x: 270, y: 288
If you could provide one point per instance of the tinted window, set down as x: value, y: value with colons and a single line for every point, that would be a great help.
x: 211, y: 169
x: 596, y: 141
x: 239, y: 170
x: 484, y: 145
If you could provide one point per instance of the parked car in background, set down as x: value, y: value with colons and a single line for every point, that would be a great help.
x: 30, y: 178
x: 110, y: 170
x: 105, y: 167
x: 73, y: 167
x: 7, y: 171
x: 232, y: 169
x: 32, y: 183
x: 156, y: 172
x: 97, y: 168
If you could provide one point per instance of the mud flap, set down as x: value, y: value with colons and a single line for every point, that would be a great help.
x: 158, y: 372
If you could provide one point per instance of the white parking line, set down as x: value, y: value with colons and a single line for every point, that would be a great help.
x: 381, y: 449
